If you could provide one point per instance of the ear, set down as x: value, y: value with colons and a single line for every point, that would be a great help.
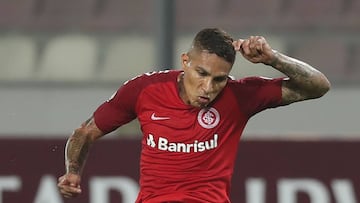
x: 185, y: 60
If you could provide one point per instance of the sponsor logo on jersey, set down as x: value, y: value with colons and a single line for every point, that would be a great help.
x: 158, y: 118
x: 164, y: 144
x: 208, y: 118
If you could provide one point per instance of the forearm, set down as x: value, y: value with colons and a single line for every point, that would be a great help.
x: 303, y: 78
x: 78, y: 145
x: 76, y: 151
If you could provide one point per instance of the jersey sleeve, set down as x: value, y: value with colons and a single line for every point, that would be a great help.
x: 119, y: 109
x: 262, y: 93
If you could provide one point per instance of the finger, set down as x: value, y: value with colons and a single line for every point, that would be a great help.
x: 256, y: 45
x: 245, y: 47
x: 253, y: 44
x: 61, y: 178
x: 69, y: 195
x: 70, y: 191
x: 76, y: 189
x: 259, y: 47
x: 63, y: 183
x: 66, y: 193
x: 72, y: 187
x: 237, y: 44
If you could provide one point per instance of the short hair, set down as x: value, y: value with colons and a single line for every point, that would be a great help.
x: 215, y: 41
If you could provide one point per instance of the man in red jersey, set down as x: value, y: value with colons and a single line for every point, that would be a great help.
x: 192, y: 119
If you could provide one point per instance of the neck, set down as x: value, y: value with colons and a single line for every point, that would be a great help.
x: 181, y: 88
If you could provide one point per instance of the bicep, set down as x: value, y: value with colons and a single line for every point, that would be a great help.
x: 291, y: 93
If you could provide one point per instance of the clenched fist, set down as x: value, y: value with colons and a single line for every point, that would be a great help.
x: 256, y: 49
x: 69, y: 185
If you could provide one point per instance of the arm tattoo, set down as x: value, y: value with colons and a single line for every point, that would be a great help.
x: 76, y: 150
x: 305, y: 82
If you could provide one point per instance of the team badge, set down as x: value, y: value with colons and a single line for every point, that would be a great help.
x: 208, y: 118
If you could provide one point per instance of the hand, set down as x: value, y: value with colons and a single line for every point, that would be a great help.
x: 255, y: 49
x: 69, y: 185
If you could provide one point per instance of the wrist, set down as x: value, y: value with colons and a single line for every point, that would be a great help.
x: 73, y: 168
x: 274, y: 60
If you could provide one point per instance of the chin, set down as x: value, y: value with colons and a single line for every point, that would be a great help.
x: 202, y: 105
x: 197, y: 105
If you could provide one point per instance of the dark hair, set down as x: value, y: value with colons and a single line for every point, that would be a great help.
x: 217, y: 41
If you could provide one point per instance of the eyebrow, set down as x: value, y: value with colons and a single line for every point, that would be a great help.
x: 215, y: 77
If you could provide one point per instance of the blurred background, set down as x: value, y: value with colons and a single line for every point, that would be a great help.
x: 59, y: 60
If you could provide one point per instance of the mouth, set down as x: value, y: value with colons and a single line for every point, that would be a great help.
x: 203, y: 100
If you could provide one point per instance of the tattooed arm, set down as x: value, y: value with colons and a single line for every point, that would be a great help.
x: 76, y: 150
x: 303, y: 82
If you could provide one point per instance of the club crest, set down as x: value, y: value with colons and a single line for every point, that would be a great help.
x: 208, y: 118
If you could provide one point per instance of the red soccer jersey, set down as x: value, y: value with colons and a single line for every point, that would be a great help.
x: 188, y: 153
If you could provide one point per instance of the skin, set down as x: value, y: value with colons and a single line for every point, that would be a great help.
x: 205, y: 75
x: 77, y: 148
x: 303, y: 82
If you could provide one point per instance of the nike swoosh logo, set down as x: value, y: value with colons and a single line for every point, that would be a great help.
x: 157, y: 118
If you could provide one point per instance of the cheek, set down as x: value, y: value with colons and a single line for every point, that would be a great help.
x: 194, y: 81
x: 191, y: 86
x: 219, y: 87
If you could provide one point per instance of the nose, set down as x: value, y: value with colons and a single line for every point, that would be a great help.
x: 207, y: 85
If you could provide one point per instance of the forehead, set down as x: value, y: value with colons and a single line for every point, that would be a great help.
x: 210, y: 62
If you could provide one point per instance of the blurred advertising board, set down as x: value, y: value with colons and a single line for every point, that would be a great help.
x: 265, y: 172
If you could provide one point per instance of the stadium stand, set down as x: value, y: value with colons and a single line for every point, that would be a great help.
x: 353, y: 65
x: 17, y: 55
x: 69, y: 57
x: 293, y: 20
x: 62, y: 15
x: 249, y: 14
x: 237, y: 15
x: 326, y: 54
x: 115, y: 15
x: 192, y: 15
x: 182, y: 45
x: 16, y: 14
x: 97, y: 44
x: 127, y: 57
x: 278, y: 15
x: 309, y: 13
x: 352, y: 14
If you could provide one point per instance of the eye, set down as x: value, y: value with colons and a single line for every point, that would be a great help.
x: 219, y: 79
x: 202, y: 73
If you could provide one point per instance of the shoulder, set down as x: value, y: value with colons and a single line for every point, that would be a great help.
x: 256, y: 88
x: 255, y: 94
x: 135, y: 86
x: 154, y: 77
x: 254, y: 82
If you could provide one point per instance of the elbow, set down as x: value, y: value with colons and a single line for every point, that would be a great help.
x: 327, y: 86
x: 323, y: 86
x: 83, y: 134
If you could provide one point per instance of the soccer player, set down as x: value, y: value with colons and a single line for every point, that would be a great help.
x: 192, y: 119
